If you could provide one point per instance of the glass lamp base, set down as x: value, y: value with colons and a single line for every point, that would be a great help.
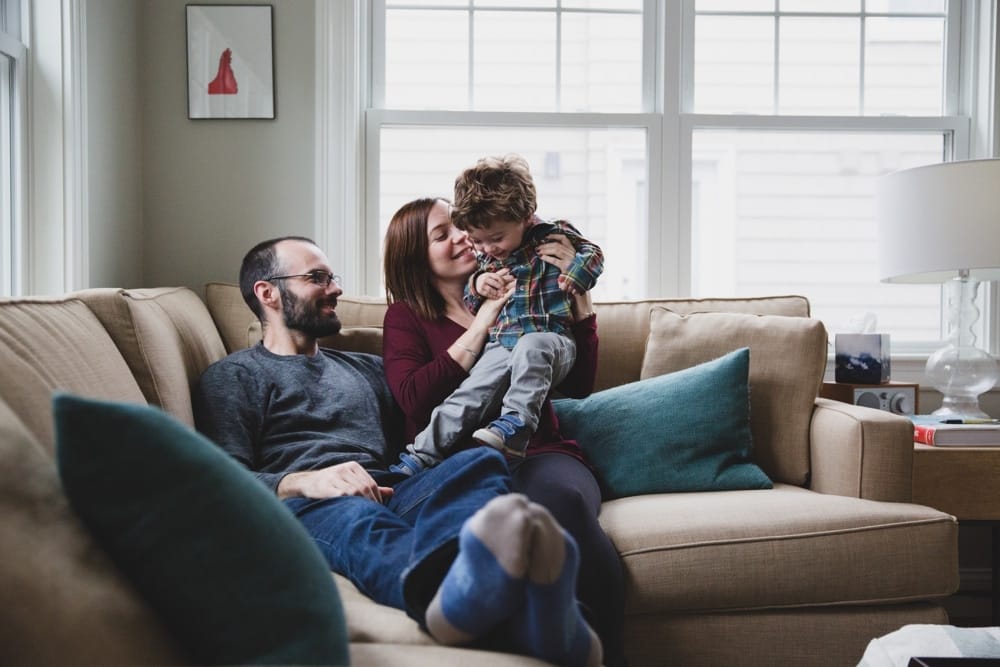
x: 961, y: 373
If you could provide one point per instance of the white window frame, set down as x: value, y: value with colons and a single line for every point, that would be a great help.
x: 12, y: 278
x: 666, y: 117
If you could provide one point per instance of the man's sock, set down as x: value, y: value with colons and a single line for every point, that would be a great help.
x: 549, y: 625
x: 485, y: 584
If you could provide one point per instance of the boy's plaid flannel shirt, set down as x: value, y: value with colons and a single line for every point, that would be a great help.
x: 538, y: 303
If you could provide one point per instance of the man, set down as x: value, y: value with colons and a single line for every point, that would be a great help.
x: 449, y: 545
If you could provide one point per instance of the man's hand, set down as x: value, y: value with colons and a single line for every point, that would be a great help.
x: 343, y: 479
x: 494, y: 285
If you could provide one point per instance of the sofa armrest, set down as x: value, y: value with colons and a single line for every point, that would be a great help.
x: 860, y: 452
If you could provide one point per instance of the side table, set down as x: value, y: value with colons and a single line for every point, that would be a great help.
x: 965, y: 482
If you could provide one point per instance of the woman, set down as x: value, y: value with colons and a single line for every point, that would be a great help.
x: 431, y: 340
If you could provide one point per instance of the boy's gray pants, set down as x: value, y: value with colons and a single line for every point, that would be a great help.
x: 515, y: 380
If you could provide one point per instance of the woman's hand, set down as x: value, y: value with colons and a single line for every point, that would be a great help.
x: 556, y: 250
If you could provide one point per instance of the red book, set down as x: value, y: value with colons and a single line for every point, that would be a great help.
x: 929, y: 430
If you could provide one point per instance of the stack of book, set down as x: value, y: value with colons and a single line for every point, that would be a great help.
x: 944, y: 432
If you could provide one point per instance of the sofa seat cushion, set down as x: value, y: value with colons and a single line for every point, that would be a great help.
x: 369, y: 621
x: 383, y: 635
x: 782, y: 547
x: 380, y: 655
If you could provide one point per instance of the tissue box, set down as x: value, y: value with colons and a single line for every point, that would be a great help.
x: 862, y: 358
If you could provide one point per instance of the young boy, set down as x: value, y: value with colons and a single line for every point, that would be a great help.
x: 530, y: 349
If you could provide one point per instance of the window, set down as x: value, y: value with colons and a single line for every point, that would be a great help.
x: 12, y: 101
x: 712, y: 147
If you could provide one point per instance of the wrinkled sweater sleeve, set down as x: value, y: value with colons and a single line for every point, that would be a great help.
x: 229, y: 404
x: 579, y: 382
x: 419, y: 379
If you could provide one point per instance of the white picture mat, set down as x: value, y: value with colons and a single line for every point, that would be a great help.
x: 246, y: 30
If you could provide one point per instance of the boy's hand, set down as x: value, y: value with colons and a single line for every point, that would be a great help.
x: 494, y: 285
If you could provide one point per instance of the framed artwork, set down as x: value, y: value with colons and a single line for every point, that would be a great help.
x: 230, y: 61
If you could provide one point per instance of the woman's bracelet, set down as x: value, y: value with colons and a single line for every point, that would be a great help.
x: 467, y: 349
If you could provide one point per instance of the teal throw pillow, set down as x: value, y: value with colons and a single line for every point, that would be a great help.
x: 683, y: 431
x: 225, y: 565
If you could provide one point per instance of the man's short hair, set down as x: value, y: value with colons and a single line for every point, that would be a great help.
x: 261, y: 263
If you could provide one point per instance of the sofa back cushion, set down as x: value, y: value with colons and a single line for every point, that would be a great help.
x: 623, y: 327
x: 64, y: 601
x: 166, y: 336
x: 239, y: 327
x: 787, y: 362
x: 48, y: 344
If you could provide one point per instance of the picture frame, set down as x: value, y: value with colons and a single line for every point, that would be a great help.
x: 230, y: 61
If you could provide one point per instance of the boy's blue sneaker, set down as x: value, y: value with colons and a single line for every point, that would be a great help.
x: 408, y: 464
x: 507, y: 433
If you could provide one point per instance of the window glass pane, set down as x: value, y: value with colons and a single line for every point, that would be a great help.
x: 512, y: 4
x: 514, y: 61
x: 614, y: 5
x: 819, y: 68
x: 825, y: 6
x: 601, y: 62
x: 906, y: 6
x: 391, y: 4
x: 734, y: 65
x: 904, y: 66
x: 734, y: 5
x: 793, y: 213
x: 594, y: 177
x: 426, y: 60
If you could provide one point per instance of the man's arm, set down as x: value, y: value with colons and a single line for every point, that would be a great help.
x: 229, y: 411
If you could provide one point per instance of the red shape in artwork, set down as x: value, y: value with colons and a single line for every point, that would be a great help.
x: 224, y: 82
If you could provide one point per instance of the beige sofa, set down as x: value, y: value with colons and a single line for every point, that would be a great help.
x: 804, y: 573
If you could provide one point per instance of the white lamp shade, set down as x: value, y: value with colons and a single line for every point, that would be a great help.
x: 936, y: 220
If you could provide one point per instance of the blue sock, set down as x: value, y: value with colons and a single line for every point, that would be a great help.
x: 485, y: 583
x: 549, y: 625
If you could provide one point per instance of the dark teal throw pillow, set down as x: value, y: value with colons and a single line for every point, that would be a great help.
x: 225, y: 565
x: 683, y: 431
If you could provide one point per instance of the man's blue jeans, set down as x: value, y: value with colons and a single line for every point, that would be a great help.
x: 397, y: 553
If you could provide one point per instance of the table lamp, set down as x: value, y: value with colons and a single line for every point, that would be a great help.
x: 941, y: 224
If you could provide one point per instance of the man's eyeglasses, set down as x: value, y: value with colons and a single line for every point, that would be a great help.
x: 317, y: 277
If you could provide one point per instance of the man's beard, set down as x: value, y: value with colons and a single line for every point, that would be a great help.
x: 305, y: 316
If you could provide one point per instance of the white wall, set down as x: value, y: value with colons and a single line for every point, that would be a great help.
x: 114, y: 144
x: 213, y: 188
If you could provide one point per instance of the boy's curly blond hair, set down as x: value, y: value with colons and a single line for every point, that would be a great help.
x: 497, y: 188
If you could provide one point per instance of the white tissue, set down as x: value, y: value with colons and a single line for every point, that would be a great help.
x: 864, y: 323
